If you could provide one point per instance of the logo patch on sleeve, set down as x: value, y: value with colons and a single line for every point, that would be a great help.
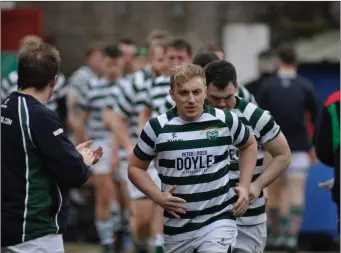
x: 58, y: 131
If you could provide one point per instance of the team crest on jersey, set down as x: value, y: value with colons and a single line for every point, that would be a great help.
x: 212, y: 134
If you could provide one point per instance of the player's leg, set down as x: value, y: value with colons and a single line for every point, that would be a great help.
x: 251, y: 239
x: 275, y: 222
x: 219, y: 240
x: 157, y: 222
x: 295, y: 192
x: 123, y: 231
x: 157, y: 229
x: 143, y: 213
x: 104, y: 195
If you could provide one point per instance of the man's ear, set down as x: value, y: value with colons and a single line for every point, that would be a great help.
x: 171, y: 93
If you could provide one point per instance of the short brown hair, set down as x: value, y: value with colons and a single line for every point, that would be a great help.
x: 184, y: 72
x: 160, y: 35
x: 179, y: 44
x: 37, y: 67
x: 286, y: 53
x: 30, y: 40
x: 93, y: 47
x: 210, y: 47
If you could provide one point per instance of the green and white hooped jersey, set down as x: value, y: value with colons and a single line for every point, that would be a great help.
x: 131, y: 99
x: 246, y: 95
x: 95, y: 96
x: 264, y: 128
x: 157, y: 93
x: 194, y: 156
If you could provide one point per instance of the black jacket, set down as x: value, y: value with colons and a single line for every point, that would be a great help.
x: 288, y: 99
x: 38, y: 165
x: 327, y: 139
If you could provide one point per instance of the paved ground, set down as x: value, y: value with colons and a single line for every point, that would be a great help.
x: 90, y: 248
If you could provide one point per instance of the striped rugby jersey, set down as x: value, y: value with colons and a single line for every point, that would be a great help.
x: 265, y: 129
x: 156, y: 95
x: 9, y: 84
x: 246, y: 95
x: 131, y: 100
x: 79, y: 78
x: 194, y: 156
x: 95, y: 96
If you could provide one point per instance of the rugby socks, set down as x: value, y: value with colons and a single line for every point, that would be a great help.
x: 116, y: 216
x: 294, y: 224
x: 273, y: 224
x: 158, y: 243
x: 126, y: 221
x: 105, y: 231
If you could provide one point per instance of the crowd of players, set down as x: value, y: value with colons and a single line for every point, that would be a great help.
x: 111, y: 100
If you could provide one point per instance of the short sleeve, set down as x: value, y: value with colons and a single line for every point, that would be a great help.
x: 239, y: 132
x: 267, y: 128
x: 145, y: 147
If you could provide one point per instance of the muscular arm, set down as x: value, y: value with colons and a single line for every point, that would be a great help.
x: 81, y: 126
x: 120, y: 125
x: 279, y: 150
x: 137, y: 174
x: 247, y: 161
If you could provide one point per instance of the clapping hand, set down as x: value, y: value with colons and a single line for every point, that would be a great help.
x: 90, y: 156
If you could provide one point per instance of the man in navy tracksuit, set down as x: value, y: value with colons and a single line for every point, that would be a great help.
x: 38, y: 162
x: 288, y: 96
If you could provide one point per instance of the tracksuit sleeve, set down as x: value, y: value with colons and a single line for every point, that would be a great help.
x: 60, y: 156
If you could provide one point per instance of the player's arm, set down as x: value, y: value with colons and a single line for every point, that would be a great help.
x: 146, y: 112
x: 5, y: 86
x: 80, y: 127
x: 122, y: 111
x: 82, y: 118
x: 247, y: 145
x: 61, y: 157
x: 144, y: 116
x: 276, y: 145
x: 74, y: 86
x: 143, y: 154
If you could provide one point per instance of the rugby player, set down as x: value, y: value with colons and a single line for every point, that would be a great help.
x: 222, y: 85
x: 190, y: 144
x: 93, y: 101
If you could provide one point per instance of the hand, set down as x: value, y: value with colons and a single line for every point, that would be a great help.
x: 242, y: 203
x: 327, y: 185
x: 254, y: 192
x: 88, y: 156
x: 266, y: 195
x: 83, y: 145
x: 97, y: 154
x: 172, y: 205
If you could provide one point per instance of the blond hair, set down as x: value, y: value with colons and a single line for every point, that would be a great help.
x: 30, y: 41
x: 184, y: 72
